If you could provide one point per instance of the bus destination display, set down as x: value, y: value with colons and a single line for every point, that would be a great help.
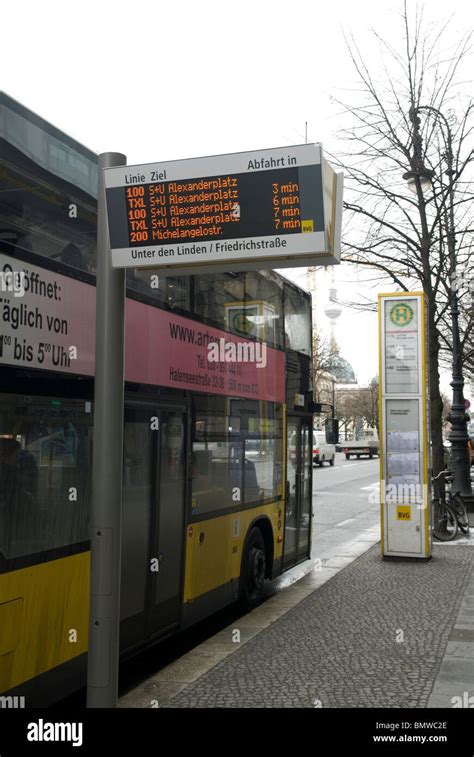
x: 239, y: 207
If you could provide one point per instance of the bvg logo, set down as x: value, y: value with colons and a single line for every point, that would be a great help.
x: 401, y: 314
x: 403, y: 512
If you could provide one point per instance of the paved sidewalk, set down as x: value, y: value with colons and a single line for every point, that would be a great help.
x: 370, y: 633
x: 455, y: 680
x: 333, y: 555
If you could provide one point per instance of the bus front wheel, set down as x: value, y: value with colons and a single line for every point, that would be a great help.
x: 253, y: 571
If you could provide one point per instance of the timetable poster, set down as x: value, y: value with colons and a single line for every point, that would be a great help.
x: 401, y: 321
x: 403, y: 458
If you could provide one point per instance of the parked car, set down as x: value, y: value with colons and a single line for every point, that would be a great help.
x: 322, y: 451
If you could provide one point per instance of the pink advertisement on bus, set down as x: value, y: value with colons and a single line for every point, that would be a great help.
x: 48, y: 322
x: 169, y: 350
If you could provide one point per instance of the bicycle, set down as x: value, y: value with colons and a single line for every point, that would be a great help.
x: 453, y: 514
x: 456, y: 503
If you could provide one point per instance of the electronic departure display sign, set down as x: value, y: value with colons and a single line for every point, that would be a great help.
x: 272, y: 208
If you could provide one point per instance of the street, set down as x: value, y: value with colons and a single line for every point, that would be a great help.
x: 345, y: 504
x: 346, y: 516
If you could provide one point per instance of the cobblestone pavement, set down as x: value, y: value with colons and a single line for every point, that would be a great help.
x: 372, y: 636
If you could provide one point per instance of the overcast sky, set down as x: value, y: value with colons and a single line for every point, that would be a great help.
x: 161, y: 81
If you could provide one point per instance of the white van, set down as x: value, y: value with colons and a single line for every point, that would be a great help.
x: 322, y: 451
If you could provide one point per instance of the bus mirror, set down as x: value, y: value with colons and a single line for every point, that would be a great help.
x: 332, y: 430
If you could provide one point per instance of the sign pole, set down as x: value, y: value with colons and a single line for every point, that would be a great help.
x: 106, y: 523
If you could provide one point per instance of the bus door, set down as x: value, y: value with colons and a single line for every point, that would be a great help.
x: 154, y: 485
x: 298, y: 490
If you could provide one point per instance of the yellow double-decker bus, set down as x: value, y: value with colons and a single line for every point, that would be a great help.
x: 217, y: 456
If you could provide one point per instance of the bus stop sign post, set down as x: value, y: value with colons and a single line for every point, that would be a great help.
x: 405, y: 460
x: 243, y: 211
x: 106, y: 525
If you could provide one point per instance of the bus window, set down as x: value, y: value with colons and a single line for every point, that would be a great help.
x: 297, y: 320
x: 262, y: 469
x: 266, y: 291
x: 216, y: 473
x: 31, y: 221
x: 45, y: 456
x: 167, y: 291
x: 213, y: 293
x: 238, y: 458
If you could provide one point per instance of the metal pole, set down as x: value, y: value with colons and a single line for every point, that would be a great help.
x: 458, y: 436
x: 106, y: 522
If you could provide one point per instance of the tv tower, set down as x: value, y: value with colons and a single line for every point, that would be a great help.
x: 333, y: 311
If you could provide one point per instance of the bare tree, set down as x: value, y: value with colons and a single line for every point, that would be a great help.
x: 358, y: 404
x: 370, y: 403
x: 347, y: 410
x: 446, y: 411
x: 400, y: 235
x: 322, y: 353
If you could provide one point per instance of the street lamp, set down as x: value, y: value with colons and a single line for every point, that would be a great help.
x: 420, y: 179
x: 425, y: 180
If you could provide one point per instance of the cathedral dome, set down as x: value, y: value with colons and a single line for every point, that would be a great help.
x: 341, y: 369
